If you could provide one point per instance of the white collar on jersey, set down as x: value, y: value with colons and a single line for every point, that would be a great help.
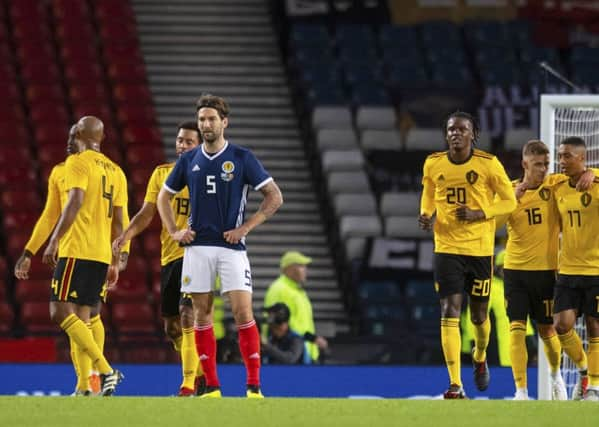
x: 214, y: 156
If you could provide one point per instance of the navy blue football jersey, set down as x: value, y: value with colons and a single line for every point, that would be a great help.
x: 218, y: 187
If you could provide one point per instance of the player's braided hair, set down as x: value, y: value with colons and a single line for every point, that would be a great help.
x: 463, y: 115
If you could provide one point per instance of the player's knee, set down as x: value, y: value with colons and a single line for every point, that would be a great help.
x: 562, y: 327
x: 243, y: 315
x: 58, y: 313
x: 478, y: 318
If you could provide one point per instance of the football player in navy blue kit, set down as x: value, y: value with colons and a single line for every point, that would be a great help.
x: 219, y: 175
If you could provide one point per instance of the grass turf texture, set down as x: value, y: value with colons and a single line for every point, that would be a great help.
x: 172, y: 411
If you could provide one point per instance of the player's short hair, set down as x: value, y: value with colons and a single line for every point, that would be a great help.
x: 574, y: 140
x: 189, y: 125
x: 213, y: 101
x: 534, y: 147
x: 463, y: 115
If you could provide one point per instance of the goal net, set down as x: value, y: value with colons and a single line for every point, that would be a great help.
x: 563, y: 116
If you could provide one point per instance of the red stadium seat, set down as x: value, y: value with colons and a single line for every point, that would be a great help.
x: 47, y: 134
x: 6, y: 318
x: 113, y: 152
x: 19, y: 220
x: 14, y: 154
x: 13, y: 133
x: 32, y: 291
x: 18, y: 200
x: 152, y: 245
x: 35, y: 317
x: 16, y: 241
x: 51, y: 155
x: 46, y: 73
x: 80, y: 72
x: 17, y: 177
x: 139, y: 177
x: 76, y: 29
x: 137, y: 266
x: 92, y: 92
x: 130, y: 289
x: 37, y: 93
x: 113, y: 9
x: 12, y: 112
x: 133, y: 318
x: 127, y: 72
x: 142, y: 135
x: 119, y: 52
x: 47, y: 112
x: 78, y: 53
x: 8, y: 87
x: 140, y: 156
x: 40, y: 271
x: 132, y: 94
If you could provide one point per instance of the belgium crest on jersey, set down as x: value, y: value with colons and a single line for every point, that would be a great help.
x: 544, y: 193
x: 471, y: 177
x: 585, y: 199
x: 228, y: 167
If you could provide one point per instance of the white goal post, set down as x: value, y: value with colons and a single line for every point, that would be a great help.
x: 562, y: 116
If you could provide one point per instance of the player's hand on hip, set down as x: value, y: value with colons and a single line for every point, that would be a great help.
x: 22, y: 267
x: 234, y: 236
x: 585, y: 182
x: 425, y: 222
x: 50, y: 256
x: 185, y: 236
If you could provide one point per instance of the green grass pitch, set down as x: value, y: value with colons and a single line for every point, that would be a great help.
x: 178, y: 412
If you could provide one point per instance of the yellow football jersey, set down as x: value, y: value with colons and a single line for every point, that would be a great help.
x: 104, y: 184
x: 579, y: 215
x: 170, y: 250
x: 533, y: 229
x: 473, y: 183
x: 55, y: 201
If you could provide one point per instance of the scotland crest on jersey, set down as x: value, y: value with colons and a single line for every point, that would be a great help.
x: 228, y: 167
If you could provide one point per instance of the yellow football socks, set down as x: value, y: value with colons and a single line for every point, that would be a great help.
x: 572, y: 346
x: 97, y: 328
x: 553, y: 352
x: 594, y: 362
x: 481, y: 340
x: 189, y: 358
x: 451, y: 343
x: 80, y: 334
x: 518, y: 353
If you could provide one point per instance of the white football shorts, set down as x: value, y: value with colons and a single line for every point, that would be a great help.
x: 201, y: 265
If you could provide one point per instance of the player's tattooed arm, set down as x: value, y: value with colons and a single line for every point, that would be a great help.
x: 273, y: 199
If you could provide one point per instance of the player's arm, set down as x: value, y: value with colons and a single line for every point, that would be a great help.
x: 273, y: 199
x: 42, y: 230
x: 143, y: 217
x: 139, y: 223
x: 586, y: 179
x: 505, y: 199
x: 427, y: 201
x: 163, y: 204
x: 67, y: 217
